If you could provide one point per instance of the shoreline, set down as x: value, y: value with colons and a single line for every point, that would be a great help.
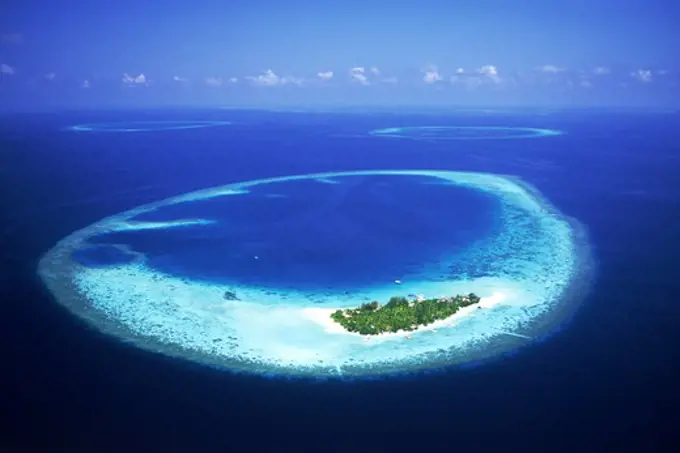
x: 322, y: 316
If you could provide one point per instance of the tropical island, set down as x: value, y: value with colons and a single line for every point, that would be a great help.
x: 400, y: 313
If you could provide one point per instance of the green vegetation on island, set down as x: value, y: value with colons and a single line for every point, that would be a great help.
x: 400, y: 313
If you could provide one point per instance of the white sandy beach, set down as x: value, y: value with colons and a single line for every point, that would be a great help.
x: 322, y: 316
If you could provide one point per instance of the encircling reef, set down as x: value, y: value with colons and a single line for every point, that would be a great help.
x: 436, y: 133
x: 145, y: 126
x: 530, y: 275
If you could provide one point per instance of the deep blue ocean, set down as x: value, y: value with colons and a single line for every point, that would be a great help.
x: 606, y: 382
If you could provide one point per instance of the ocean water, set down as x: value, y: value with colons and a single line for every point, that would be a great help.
x: 338, y: 233
x: 603, y: 379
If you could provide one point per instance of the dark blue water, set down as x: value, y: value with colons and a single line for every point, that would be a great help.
x: 311, y: 235
x: 607, y: 382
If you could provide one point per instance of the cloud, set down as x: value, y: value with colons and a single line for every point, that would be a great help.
x: 134, y: 80
x: 585, y: 83
x: 233, y: 80
x: 85, y: 84
x: 486, y: 75
x: 375, y: 71
x: 550, y: 69
x: 390, y: 80
x: 50, y: 76
x: 6, y: 69
x: 180, y: 79
x: 643, y: 75
x: 11, y: 38
x: 584, y: 80
x: 432, y: 75
x: 269, y: 78
x: 490, y: 72
x: 358, y: 75
x: 327, y: 75
x: 213, y: 81
x: 602, y: 70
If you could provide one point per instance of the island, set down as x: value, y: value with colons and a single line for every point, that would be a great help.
x: 400, y: 313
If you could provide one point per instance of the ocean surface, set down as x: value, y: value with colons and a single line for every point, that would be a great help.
x: 605, y: 380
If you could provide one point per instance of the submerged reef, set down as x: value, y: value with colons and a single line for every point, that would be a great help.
x: 145, y: 126
x: 436, y: 133
x: 530, y: 275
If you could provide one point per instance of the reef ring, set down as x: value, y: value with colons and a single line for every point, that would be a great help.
x: 536, y: 261
x: 463, y: 132
x: 145, y: 126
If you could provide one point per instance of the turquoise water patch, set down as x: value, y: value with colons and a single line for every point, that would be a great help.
x: 525, y: 271
x: 463, y: 132
x: 145, y: 126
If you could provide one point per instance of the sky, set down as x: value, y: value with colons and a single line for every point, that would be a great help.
x: 270, y: 53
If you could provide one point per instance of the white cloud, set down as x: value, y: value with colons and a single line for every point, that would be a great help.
x: 602, y: 70
x: 134, y: 80
x: 390, y: 80
x: 662, y: 72
x: 643, y: 75
x: 358, y: 75
x: 327, y: 75
x: 50, y: 76
x: 85, y: 84
x: 584, y: 80
x: 233, y: 80
x: 6, y: 69
x: 550, y: 69
x: 490, y: 72
x: 432, y: 75
x: 375, y: 70
x: 269, y: 78
x: 213, y: 81
x: 180, y: 79
x: 487, y: 74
